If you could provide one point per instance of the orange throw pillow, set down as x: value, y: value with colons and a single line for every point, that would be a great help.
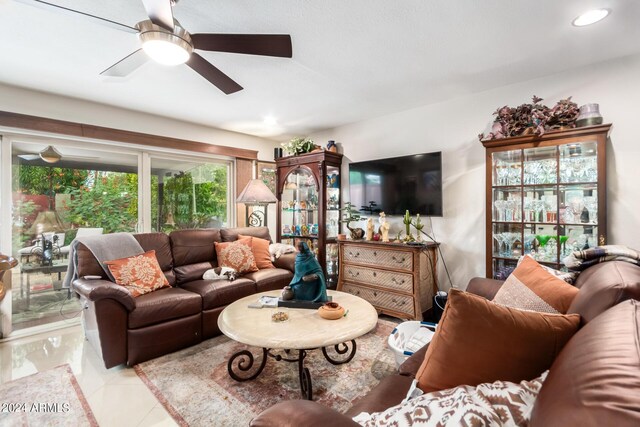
x: 478, y: 342
x: 236, y: 255
x: 140, y: 274
x: 260, y: 249
x: 531, y: 287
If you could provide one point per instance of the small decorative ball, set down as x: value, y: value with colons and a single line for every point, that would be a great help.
x: 376, y: 237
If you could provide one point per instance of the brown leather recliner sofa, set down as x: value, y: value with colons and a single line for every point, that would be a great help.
x: 130, y: 330
x: 594, y: 381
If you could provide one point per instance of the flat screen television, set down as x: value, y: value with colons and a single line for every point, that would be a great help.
x: 398, y: 184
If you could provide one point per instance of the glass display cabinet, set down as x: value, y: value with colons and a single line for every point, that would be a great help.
x: 308, y: 192
x: 545, y: 197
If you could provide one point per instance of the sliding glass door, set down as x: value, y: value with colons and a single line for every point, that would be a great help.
x: 188, y: 193
x: 67, y: 192
x: 63, y: 189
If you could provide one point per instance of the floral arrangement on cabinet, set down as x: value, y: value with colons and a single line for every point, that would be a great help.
x: 534, y: 118
x: 298, y: 146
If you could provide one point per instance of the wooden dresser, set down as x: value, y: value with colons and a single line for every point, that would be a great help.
x: 397, y: 279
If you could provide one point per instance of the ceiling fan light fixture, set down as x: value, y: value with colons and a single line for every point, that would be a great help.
x: 50, y: 155
x: 165, y: 47
x: 166, y: 52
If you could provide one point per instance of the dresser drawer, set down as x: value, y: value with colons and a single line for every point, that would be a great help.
x: 383, y: 300
x: 398, y: 260
x: 402, y: 282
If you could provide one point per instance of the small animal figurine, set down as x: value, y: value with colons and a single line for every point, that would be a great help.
x: 369, y: 235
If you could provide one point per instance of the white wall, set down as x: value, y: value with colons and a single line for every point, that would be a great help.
x: 452, y: 127
x: 25, y: 101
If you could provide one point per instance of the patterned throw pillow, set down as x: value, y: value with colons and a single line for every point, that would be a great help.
x: 489, y: 404
x: 237, y: 255
x: 567, y: 276
x: 140, y: 274
x: 260, y: 249
x: 531, y: 287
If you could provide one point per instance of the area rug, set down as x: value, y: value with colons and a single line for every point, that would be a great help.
x: 195, y: 388
x: 48, y: 398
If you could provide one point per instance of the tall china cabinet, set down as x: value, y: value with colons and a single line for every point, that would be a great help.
x: 308, y: 192
x: 546, y: 196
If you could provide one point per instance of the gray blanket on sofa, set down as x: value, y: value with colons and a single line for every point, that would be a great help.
x: 105, y: 247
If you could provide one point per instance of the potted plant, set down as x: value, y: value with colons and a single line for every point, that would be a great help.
x: 298, y: 146
x: 350, y: 214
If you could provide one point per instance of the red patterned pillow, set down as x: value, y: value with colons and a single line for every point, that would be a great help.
x: 140, y: 274
x: 237, y: 255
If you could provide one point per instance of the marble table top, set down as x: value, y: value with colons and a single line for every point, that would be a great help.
x: 305, y: 329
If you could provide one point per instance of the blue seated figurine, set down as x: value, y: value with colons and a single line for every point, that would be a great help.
x: 308, y: 282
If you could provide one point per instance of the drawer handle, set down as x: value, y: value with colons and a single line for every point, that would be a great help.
x: 375, y: 253
x: 399, y: 261
x: 356, y: 255
x: 375, y: 274
x: 352, y: 274
x: 401, y: 282
x: 395, y: 301
x: 375, y: 294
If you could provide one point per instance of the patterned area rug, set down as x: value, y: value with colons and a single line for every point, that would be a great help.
x: 195, y: 388
x: 51, y: 398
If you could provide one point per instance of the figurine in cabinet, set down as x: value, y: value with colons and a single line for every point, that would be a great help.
x: 369, y: 235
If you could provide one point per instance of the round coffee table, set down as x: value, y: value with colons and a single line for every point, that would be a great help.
x: 304, y: 331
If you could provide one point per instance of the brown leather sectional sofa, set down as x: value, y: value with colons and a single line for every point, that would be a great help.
x: 594, y: 381
x: 130, y: 330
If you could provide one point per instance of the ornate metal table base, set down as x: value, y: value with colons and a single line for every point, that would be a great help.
x: 243, y: 366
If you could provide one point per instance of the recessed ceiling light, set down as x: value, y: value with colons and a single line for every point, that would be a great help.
x: 270, y: 120
x: 590, y: 17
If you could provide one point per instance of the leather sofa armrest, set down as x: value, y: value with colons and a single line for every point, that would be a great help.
x: 295, y: 413
x: 286, y: 261
x: 410, y: 366
x: 96, y: 290
x: 484, y: 287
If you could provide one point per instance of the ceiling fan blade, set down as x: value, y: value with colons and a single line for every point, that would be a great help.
x: 160, y: 13
x: 249, y: 44
x: 29, y: 157
x: 211, y: 73
x: 67, y: 11
x: 126, y: 65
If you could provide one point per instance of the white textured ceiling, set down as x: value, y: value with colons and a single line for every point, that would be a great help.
x: 352, y: 60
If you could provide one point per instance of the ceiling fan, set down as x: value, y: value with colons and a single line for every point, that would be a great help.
x: 164, y: 40
x: 50, y: 155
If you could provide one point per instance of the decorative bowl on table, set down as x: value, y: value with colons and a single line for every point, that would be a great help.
x: 331, y: 311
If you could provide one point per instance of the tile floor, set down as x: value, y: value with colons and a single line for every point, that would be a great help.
x: 117, y: 396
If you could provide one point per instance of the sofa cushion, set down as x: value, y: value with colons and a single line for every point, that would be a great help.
x: 162, y: 305
x: 160, y: 243
x: 595, y: 379
x: 189, y: 272
x: 500, y: 403
x: 478, y: 341
x: 218, y: 293
x: 140, y: 274
x: 531, y: 287
x: 231, y: 234
x: 237, y: 255
x: 270, y: 279
x: 260, y: 249
x: 194, y: 246
x: 604, y: 285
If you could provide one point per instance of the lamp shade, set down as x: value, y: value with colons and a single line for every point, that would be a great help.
x: 46, y: 221
x: 256, y: 193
